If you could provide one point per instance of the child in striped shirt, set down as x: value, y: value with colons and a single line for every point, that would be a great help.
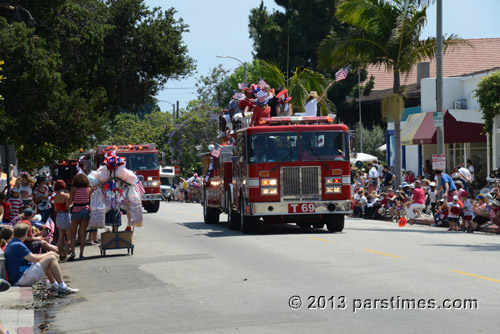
x: 16, y: 204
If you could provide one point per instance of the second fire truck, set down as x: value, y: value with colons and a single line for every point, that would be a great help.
x: 286, y: 170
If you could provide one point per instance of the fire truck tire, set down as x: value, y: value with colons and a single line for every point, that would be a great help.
x: 304, y: 225
x: 210, y: 215
x: 318, y: 225
x: 154, y: 207
x: 335, y: 223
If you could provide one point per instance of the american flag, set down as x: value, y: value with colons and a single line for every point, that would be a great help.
x: 139, y: 188
x: 241, y: 86
x: 342, y: 73
x: 216, y: 151
x: 492, y: 213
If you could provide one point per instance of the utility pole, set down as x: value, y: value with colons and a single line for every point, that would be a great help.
x: 360, y: 124
x: 177, y: 110
x: 439, y: 77
x: 218, y: 96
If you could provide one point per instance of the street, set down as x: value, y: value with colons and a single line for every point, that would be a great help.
x: 186, y: 276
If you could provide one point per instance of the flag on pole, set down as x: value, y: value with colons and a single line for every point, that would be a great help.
x: 342, y: 73
x: 241, y: 86
x: 139, y: 188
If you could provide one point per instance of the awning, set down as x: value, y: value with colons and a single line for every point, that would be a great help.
x: 410, y: 128
x: 421, y: 130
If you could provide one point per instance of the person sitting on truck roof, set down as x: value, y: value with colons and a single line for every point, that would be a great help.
x: 248, y: 103
x: 261, y: 110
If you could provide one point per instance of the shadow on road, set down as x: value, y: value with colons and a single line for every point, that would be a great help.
x: 222, y: 229
x: 477, y: 247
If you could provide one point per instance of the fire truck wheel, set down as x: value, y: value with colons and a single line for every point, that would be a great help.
x: 304, y: 225
x: 153, y: 207
x: 334, y: 223
x: 210, y: 215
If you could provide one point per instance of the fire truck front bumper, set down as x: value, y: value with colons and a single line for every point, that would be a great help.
x: 300, y: 208
x: 151, y: 197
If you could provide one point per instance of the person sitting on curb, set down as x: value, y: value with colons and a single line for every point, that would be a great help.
x: 25, y: 268
x: 34, y: 243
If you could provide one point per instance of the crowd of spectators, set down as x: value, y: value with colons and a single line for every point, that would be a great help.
x: 448, y: 199
x: 29, y: 217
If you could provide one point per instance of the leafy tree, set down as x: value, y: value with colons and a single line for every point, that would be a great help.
x: 302, y: 81
x: 74, y: 64
x: 373, y: 138
x: 209, y: 87
x: 488, y: 96
x: 290, y: 36
x: 194, y: 131
x: 384, y: 33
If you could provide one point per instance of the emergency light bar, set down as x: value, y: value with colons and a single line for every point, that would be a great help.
x: 129, y: 147
x: 296, y: 120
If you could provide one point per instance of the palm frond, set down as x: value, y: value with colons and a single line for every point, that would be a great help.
x: 272, y: 74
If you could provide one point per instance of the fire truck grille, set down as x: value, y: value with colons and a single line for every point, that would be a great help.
x: 298, y: 181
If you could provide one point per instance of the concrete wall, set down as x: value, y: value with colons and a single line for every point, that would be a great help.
x: 452, y: 91
x: 412, y: 159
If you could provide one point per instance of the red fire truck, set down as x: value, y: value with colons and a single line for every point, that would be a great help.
x: 143, y: 160
x: 65, y: 170
x: 286, y: 170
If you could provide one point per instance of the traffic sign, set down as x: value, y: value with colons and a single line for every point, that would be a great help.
x: 177, y: 169
x: 438, y: 119
x: 439, y: 161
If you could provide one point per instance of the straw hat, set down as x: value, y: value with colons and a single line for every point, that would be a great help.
x: 313, y: 93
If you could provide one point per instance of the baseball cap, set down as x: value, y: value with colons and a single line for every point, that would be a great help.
x: 455, y: 198
x: 432, y: 184
x: 28, y: 212
x: 14, y: 190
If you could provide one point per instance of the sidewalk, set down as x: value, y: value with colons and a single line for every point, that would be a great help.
x: 16, y: 310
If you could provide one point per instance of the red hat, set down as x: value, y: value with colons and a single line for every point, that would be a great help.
x: 283, y: 96
x: 402, y: 222
x: 464, y: 194
x: 247, y: 90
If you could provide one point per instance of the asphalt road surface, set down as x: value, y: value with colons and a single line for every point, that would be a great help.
x: 374, y: 277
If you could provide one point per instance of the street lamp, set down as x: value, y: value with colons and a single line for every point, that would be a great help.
x: 244, y: 67
x: 173, y: 106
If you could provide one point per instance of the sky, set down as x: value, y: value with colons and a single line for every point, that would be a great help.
x: 220, y: 27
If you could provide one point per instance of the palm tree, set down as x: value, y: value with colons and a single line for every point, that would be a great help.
x: 299, y: 85
x: 384, y: 33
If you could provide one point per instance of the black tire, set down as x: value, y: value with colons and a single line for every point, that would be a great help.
x: 304, y: 225
x: 318, y: 225
x: 335, y: 223
x: 249, y: 224
x: 153, y: 207
x: 210, y: 215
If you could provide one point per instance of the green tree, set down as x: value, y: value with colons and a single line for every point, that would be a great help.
x: 384, y: 33
x: 488, y: 96
x: 74, y: 64
x: 373, y: 138
x: 290, y: 36
x: 195, y: 129
x: 302, y: 81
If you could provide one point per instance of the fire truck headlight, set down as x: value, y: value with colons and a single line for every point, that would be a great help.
x: 328, y: 180
x: 150, y: 178
x: 268, y: 182
x: 333, y: 190
x: 269, y: 191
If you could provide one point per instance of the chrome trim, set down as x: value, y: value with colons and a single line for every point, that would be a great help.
x: 151, y: 197
x: 280, y: 208
x: 300, y: 183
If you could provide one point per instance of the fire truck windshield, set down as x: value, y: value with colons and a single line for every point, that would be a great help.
x: 64, y: 172
x: 273, y: 147
x: 324, y: 146
x: 144, y: 161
